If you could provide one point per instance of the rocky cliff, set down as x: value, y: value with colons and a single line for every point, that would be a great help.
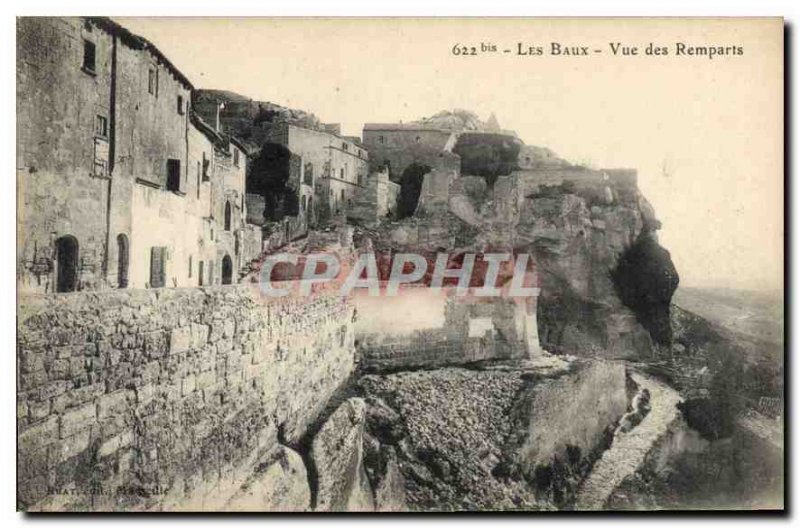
x: 246, y: 119
x: 606, y: 283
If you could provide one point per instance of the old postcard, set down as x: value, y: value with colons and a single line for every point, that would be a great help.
x: 399, y: 265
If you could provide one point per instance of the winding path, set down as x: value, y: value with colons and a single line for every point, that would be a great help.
x: 628, y: 451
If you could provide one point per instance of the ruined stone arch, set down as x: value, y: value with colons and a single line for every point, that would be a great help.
x: 410, y: 189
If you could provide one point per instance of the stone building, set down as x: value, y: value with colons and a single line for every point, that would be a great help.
x: 118, y: 185
x: 398, y: 146
x: 329, y: 169
x: 419, y: 158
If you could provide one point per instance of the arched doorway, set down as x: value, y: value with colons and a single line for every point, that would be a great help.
x: 410, y: 189
x: 227, y: 270
x: 123, y: 256
x: 227, y: 216
x: 66, y: 264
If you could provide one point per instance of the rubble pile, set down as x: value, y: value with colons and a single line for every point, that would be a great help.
x: 447, y: 427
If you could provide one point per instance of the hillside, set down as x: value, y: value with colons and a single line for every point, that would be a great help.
x: 751, y: 313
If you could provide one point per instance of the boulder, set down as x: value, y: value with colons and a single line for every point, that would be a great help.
x: 390, y: 491
x: 278, y: 485
x: 337, y: 454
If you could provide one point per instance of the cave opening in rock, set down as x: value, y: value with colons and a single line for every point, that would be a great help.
x: 410, y: 189
x: 645, y: 279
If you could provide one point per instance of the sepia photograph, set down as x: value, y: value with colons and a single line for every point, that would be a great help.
x: 400, y: 265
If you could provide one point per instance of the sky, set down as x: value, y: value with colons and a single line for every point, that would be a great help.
x: 706, y: 134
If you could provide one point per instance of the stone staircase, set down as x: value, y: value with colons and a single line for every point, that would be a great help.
x: 628, y: 450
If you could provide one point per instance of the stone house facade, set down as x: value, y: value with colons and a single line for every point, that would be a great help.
x: 330, y: 170
x: 110, y: 193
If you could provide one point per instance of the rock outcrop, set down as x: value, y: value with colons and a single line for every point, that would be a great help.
x: 511, y: 437
x: 337, y: 454
x: 278, y: 485
x: 645, y: 279
x: 246, y: 119
x: 630, y: 449
x: 605, y: 282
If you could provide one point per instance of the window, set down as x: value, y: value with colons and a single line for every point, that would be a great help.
x: 206, y: 164
x: 342, y: 195
x: 341, y: 174
x: 198, y: 180
x: 236, y: 157
x: 174, y: 175
x: 227, y: 216
x: 180, y: 105
x: 152, y: 81
x: 418, y: 139
x: 381, y: 139
x: 122, y: 261
x: 190, y: 266
x: 345, y: 147
x: 158, y: 262
x: 88, y: 56
x: 100, y: 155
x: 101, y: 126
x: 308, y: 174
x: 303, y: 203
x: 200, y: 273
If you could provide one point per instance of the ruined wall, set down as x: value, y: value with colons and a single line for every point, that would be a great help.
x: 376, y: 200
x: 467, y: 331
x: 255, y: 204
x: 60, y: 191
x: 398, y: 147
x: 619, y: 180
x: 533, y: 157
x: 251, y: 244
x: 435, y: 192
x: 167, y: 399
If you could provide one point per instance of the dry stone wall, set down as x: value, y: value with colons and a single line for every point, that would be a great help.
x: 167, y: 399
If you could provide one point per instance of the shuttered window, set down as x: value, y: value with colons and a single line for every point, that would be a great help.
x: 158, y: 261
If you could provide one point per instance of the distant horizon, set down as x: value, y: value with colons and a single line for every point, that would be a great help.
x: 689, y: 127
